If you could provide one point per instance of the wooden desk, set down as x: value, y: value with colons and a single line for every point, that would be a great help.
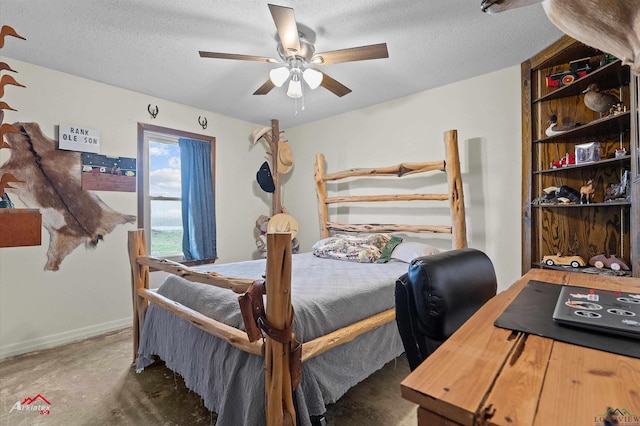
x: 487, y: 375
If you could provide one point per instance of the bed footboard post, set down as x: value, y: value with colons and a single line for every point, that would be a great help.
x: 456, y: 198
x: 139, y: 280
x: 278, y: 385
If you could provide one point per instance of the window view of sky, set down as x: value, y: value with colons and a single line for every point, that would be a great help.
x: 164, y: 181
x: 164, y: 170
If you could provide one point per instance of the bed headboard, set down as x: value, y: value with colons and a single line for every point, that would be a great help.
x: 450, y: 165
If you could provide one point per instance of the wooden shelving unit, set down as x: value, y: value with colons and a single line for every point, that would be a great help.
x: 601, y: 227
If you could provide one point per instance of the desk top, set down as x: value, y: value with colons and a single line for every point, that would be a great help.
x: 488, y: 375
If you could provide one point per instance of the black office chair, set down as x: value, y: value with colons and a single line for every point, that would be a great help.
x: 438, y: 294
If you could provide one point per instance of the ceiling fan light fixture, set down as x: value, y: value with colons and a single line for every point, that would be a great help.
x: 312, y: 77
x: 279, y: 76
x: 295, y: 86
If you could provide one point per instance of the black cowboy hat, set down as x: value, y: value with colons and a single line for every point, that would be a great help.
x: 265, y: 179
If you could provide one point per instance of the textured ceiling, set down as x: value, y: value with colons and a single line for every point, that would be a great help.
x: 151, y: 47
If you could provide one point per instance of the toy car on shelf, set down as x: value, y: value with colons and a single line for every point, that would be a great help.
x: 559, y: 260
x: 578, y: 68
x: 564, y: 161
x: 601, y: 261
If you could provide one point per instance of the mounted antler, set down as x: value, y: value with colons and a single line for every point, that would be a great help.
x: 202, y: 122
x: 153, y: 112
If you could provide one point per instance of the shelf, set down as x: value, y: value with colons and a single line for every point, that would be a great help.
x: 584, y: 270
x: 617, y: 123
x: 570, y: 52
x: 613, y: 74
x: 607, y: 227
x: 578, y: 205
x: 20, y: 227
x: 609, y: 161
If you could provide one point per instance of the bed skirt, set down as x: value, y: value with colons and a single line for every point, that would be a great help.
x: 231, y: 382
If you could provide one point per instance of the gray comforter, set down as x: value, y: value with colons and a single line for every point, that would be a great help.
x: 326, y: 295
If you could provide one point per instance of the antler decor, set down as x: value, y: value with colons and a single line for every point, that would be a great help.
x: 153, y: 112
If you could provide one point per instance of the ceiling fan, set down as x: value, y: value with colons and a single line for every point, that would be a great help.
x: 297, y: 55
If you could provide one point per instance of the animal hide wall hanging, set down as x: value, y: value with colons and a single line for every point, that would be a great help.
x: 51, y: 182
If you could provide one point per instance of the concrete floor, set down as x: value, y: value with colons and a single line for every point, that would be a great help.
x: 92, y: 382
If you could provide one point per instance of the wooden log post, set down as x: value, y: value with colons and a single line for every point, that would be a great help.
x: 139, y: 280
x: 456, y: 198
x: 279, y: 392
x: 321, y: 193
x: 276, y: 197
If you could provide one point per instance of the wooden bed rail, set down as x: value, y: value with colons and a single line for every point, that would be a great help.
x: 142, y: 295
x: 451, y: 166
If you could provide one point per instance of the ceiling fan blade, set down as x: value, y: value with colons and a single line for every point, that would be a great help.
x: 334, y: 86
x: 265, y: 88
x: 219, y: 55
x: 362, y: 53
x: 285, y: 21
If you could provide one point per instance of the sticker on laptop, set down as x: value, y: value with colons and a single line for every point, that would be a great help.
x: 580, y: 304
x: 629, y: 300
x: 587, y: 314
x: 590, y: 296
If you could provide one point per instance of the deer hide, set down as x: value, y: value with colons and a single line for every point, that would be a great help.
x: 52, y: 183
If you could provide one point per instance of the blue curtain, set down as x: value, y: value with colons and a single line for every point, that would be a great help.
x: 198, y: 205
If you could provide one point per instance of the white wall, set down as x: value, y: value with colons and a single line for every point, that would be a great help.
x: 90, y: 294
x: 486, y: 112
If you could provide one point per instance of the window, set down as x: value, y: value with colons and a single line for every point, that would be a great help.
x: 168, y: 218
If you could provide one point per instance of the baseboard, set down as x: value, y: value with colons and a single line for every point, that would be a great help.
x: 58, y: 339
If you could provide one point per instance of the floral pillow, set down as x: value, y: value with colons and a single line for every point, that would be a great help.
x: 363, y: 248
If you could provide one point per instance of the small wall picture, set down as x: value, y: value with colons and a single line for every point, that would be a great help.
x: 103, y: 173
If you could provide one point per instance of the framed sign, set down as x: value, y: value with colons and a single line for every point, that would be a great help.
x: 75, y: 138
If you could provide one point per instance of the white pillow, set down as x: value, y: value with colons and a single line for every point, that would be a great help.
x: 408, y: 251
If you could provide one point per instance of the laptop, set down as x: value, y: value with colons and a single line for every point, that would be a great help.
x: 600, y: 310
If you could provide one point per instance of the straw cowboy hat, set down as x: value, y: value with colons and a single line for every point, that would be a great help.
x: 283, y: 222
x: 285, y: 157
x: 258, y: 133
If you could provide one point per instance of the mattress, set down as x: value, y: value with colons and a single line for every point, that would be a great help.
x: 326, y: 295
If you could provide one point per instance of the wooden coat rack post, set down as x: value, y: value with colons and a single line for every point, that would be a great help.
x: 276, y: 196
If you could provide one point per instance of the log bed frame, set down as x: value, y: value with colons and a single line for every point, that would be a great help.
x: 279, y: 400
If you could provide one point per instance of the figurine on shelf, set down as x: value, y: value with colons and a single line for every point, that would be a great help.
x: 556, y: 129
x: 586, y: 192
x: 601, y: 261
x: 599, y: 101
x: 568, y: 159
x: 618, y: 190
